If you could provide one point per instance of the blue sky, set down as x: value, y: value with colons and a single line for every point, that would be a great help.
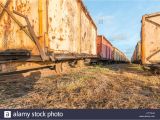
x: 120, y: 20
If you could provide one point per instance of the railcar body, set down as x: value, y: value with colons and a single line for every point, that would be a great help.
x: 45, y: 30
x: 136, y: 57
x: 119, y: 56
x: 104, y: 48
x: 150, y: 39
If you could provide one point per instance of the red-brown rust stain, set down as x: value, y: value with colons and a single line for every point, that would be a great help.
x: 23, y: 6
x: 61, y: 38
x: 53, y: 37
x: 50, y: 19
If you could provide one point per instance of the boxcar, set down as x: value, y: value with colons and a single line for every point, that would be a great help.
x: 136, y: 57
x: 116, y: 55
x: 119, y: 57
x: 104, y: 49
x: 45, y: 30
x: 151, y: 39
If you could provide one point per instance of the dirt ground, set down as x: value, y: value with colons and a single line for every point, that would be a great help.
x: 96, y: 87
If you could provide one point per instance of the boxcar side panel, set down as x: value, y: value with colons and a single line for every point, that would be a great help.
x: 108, y: 49
x: 70, y: 29
x: 88, y: 35
x: 63, y: 25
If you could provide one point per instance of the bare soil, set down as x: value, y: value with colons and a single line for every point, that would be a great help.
x: 93, y: 87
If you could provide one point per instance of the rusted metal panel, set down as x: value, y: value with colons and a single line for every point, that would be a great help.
x: 151, y: 39
x: 63, y: 25
x: 88, y: 35
x: 11, y: 35
x: 71, y: 30
x: 104, y: 48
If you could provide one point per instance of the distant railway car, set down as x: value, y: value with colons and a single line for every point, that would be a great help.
x: 136, y: 57
x: 104, y: 49
x: 119, y: 56
x: 150, y: 39
x: 108, y: 53
x: 124, y: 59
x: 116, y: 55
x: 45, y: 30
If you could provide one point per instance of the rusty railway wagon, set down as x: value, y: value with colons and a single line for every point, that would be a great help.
x: 136, y: 57
x: 104, y: 49
x: 43, y: 33
x: 108, y: 53
x: 151, y: 40
x: 118, y: 56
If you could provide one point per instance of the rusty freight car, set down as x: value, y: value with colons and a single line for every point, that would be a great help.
x: 136, y: 57
x: 151, y: 39
x: 44, y: 32
x: 104, y: 49
x: 118, y: 56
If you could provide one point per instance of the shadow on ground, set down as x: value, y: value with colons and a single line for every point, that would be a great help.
x: 15, y: 86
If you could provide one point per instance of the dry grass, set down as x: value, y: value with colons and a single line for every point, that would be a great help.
x: 112, y: 86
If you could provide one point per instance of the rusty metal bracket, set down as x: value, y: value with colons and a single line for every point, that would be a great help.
x: 33, y: 35
x: 29, y: 31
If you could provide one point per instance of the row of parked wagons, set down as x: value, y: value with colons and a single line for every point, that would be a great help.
x: 50, y: 31
x: 147, y: 51
x: 107, y: 52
